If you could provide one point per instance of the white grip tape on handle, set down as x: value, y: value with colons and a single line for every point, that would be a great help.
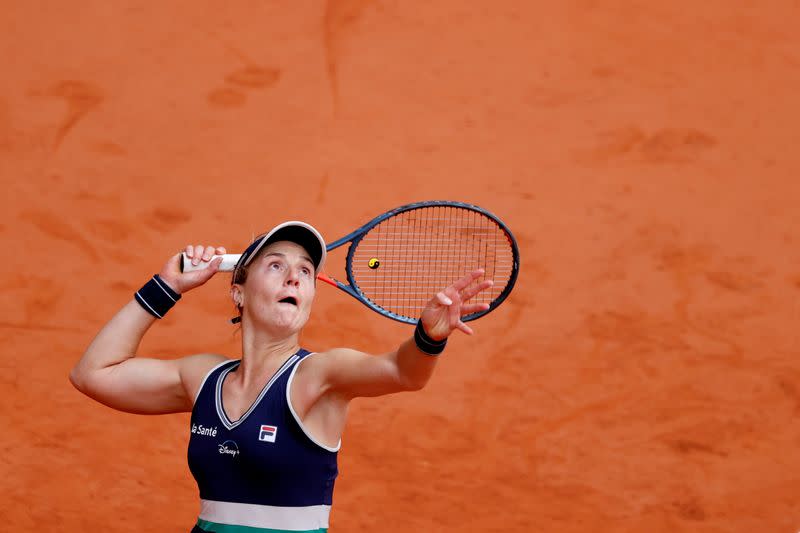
x: 227, y: 265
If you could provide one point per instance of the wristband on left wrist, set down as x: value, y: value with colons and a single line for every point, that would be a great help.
x: 425, y: 344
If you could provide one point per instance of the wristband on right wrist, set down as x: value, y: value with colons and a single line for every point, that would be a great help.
x: 425, y: 344
x: 156, y: 297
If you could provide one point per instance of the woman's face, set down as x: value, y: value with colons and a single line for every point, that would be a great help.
x: 280, y: 288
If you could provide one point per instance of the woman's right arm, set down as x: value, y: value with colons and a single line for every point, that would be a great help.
x: 110, y: 372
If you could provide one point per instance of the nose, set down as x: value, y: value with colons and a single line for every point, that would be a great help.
x: 292, y: 279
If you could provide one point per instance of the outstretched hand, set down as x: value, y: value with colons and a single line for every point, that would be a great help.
x: 442, y: 314
x: 181, y: 282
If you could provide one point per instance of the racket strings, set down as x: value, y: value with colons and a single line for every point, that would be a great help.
x: 406, y: 259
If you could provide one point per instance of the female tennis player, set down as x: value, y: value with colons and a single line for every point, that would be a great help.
x: 266, y: 428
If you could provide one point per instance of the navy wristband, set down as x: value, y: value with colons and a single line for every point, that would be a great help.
x: 425, y: 343
x: 156, y: 297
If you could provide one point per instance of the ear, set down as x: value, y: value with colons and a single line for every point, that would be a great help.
x: 237, y: 295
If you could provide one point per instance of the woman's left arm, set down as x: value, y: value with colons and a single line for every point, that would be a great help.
x: 351, y: 373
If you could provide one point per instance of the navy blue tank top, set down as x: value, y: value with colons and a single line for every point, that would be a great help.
x: 263, y: 470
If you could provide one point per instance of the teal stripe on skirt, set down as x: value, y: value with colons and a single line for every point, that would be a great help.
x: 213, y: 527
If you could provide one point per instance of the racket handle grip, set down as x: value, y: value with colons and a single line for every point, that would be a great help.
x: 227, y: 265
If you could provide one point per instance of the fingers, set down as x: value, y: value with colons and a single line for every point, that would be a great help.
x: 469, y: 292
x: 465, y: 328
x: 206, y: 274
x: 454, y: 315
x: 467, y: 279
x: 455, y: 301
x: 467, y: 289
x: 180, y: 280
x: 444, y: 311
x: 468, y: 309
x: 442, y: 299
x: 198, y: 253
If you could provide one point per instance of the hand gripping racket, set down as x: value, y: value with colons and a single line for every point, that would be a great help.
x: 397, y: 261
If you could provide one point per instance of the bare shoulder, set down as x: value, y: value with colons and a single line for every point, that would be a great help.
x: 317, y: 367
x: 334, y: 354
x: 194, y: 369
x: 349, y: 373
x: 317, y: 377
x: 320, y: 361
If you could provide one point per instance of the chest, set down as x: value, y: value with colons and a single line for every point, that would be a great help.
x: 235, y: 400
x: 262, y: 457
x: 244, y: 430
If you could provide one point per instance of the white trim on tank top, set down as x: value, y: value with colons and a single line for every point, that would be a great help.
x: 223, y: 416
x: 197, y: 394
x: 297, y: 418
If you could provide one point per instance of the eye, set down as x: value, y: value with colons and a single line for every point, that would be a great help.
x: 275, y: 265
x: 306, y: 271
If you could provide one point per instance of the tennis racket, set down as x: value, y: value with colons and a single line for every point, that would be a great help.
x: 397, y: 261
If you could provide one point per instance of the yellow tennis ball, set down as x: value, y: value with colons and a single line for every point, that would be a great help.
x: 374, y: 263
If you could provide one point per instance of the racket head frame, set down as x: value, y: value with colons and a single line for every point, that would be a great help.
x: 355, y: 237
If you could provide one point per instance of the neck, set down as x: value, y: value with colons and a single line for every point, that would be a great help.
x: 263, y: 354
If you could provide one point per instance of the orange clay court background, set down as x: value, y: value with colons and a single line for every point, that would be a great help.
x: 643, y: 376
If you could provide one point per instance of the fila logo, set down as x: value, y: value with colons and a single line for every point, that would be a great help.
x: 267, y: 433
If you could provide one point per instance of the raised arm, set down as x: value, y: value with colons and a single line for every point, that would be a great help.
x: 109, y: 370
x: 351, y: 373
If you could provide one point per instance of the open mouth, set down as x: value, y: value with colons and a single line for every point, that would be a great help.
x: 289, y: 300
